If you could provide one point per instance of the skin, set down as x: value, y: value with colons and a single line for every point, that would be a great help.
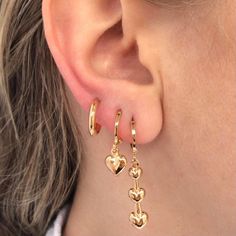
x: 178, y: 79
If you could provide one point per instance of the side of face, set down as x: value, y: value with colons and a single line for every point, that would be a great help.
x: 192, y: 49
x: 171, y: 65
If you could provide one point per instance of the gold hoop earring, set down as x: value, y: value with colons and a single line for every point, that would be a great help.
x: 94, y: 128
x: 116, y: 162
x: 138, y: 217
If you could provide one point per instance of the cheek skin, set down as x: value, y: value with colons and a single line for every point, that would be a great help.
x: 199, y: 104
x: 197, y: 62
x: 199, y: 82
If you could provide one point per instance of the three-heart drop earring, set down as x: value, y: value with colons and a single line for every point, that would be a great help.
x: 115, y: 161
x: 138, y: 217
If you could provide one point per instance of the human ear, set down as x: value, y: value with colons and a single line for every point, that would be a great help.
x: 95, y: 48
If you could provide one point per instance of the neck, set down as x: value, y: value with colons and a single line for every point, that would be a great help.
x: 101, y: 204
x: 181, y: 186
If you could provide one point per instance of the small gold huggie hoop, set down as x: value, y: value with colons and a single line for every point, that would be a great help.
x: 117, y: 139
x: 133, y: 133
x: 94, y: 128
x: 115, y: 161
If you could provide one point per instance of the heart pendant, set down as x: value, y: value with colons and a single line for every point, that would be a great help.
x: 116, y: 163
x: 135, y: 172
x: 136, y: 195
x: 138, y: 220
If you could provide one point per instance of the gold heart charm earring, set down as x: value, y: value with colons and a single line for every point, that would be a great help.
x: 94, y: 128
x: 138, y: 217
x: 116, y: 162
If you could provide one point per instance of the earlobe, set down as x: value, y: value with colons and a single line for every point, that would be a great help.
x: 97, y: 60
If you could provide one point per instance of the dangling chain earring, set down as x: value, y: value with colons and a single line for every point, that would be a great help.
x: 138, y: 217
x: 94, y: 128
x: 116, y: 162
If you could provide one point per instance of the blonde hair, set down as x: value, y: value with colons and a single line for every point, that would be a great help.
x: 39, y: 146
